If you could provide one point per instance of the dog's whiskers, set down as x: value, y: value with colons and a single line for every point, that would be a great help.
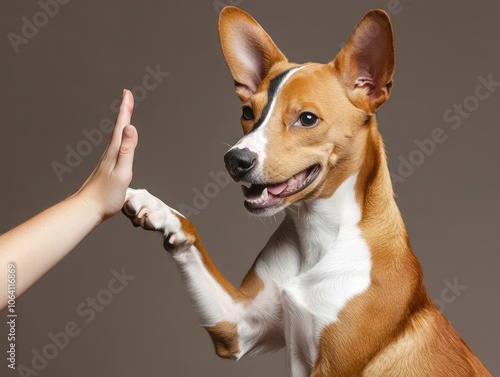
x: 296, y: 211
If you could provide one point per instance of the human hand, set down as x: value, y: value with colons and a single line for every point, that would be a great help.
x: 105, y: 188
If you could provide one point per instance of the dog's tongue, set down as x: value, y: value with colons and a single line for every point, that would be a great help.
x: 256, y: 191
x: 277, y: 189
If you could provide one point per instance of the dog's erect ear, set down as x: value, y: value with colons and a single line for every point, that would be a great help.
x: 366, y: 63
x: 249, y: 51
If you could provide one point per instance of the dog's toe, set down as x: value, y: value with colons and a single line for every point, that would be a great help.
x: 129, y: 209
x: 178, y: 240
x: 148, y: 224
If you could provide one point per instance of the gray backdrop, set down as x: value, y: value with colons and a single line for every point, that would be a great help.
x: 68, y: 72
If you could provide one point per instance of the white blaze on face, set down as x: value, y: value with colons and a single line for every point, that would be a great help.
x: 256, y: 140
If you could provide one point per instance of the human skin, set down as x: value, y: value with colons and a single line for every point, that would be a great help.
x: 41, y: 242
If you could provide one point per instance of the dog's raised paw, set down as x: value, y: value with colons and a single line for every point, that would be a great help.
x: 145, y: 210
x: 150, y: 213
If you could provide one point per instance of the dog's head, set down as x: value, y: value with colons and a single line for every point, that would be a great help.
x: 304, y: 124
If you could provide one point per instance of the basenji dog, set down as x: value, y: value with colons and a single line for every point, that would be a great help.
x: 337, y: 284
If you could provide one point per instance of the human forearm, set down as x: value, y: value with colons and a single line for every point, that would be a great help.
x: 41, y: 242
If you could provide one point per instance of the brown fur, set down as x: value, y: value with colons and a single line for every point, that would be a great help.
x: 224, y: 334
x: 225, y: 338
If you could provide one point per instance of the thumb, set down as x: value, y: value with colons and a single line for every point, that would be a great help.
x: 125, y: 158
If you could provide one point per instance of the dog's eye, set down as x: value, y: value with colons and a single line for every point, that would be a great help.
x: 307, y: 119
x: 247, y: 113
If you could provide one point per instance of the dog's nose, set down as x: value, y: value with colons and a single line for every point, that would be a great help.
x: 239, y: 162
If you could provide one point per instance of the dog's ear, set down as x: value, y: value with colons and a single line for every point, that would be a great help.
x: 366, y: 63
x: 249, y: 51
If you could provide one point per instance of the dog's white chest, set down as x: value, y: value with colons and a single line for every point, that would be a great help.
x: 335, y: 268
x: 314, y: 299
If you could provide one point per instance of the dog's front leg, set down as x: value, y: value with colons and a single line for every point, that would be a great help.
x: 236, y: 321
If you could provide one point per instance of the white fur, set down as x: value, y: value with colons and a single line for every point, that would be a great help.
x: 210, y: 300
x: 311, y: 267
x: 335, y: 267
x: 159, y: 214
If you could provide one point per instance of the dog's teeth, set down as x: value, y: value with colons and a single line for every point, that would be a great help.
x: 265, y: 195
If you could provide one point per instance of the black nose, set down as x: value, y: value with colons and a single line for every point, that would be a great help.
x: 239, y: 162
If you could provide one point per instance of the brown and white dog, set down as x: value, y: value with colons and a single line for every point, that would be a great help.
x: 337, y: 285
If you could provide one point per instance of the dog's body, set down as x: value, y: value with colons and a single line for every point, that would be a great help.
x: 337, y: 284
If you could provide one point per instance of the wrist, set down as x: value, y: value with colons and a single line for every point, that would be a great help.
x: 89, y: 206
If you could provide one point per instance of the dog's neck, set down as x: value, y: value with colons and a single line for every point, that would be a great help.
x: 319, y: 221
x: 364, y: 196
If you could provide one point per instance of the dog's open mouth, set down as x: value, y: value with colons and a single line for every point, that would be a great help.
x: 263, y: 196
